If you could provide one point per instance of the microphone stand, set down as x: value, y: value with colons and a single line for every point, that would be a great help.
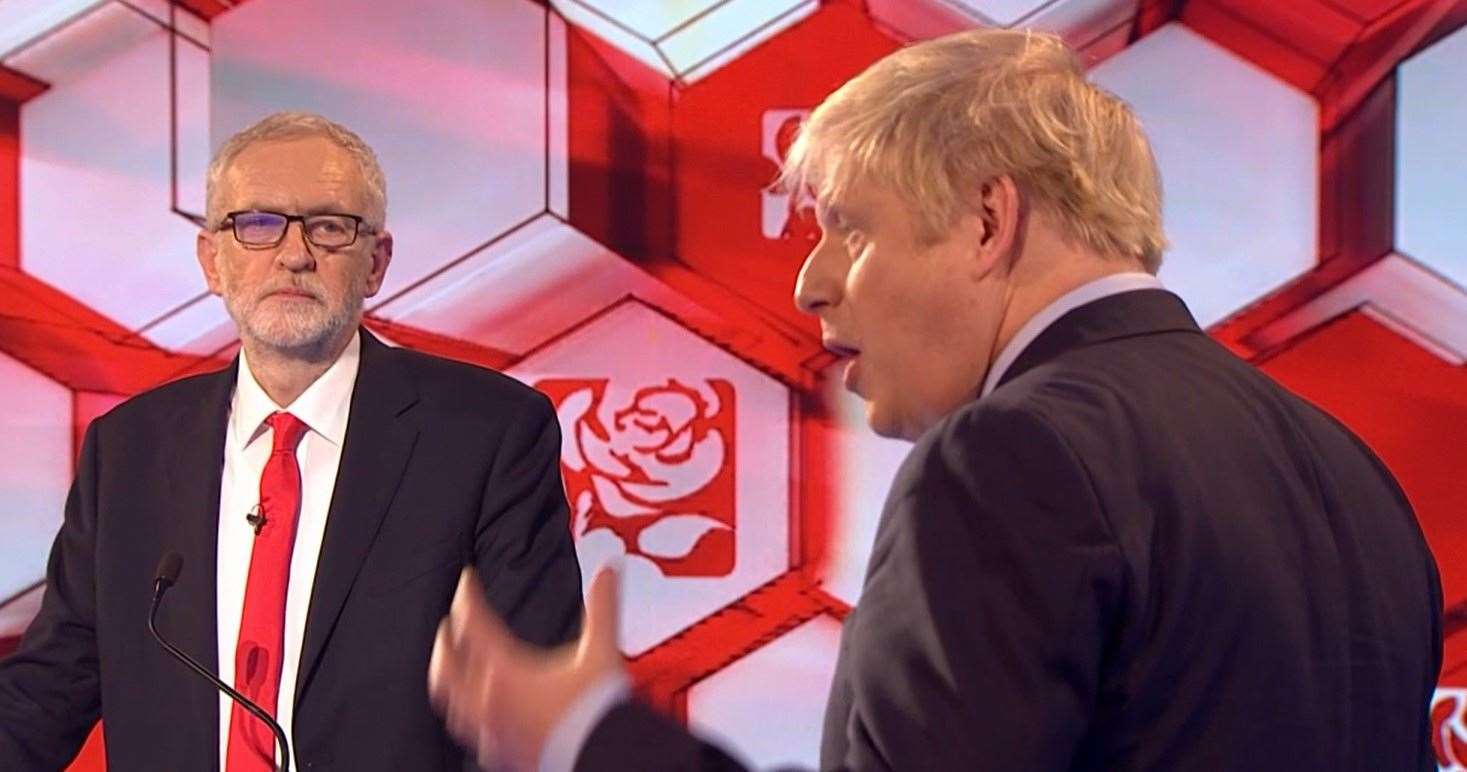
x: 167, y: 575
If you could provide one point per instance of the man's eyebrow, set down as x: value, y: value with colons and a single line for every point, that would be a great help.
x: 326, y: 209
x: 829, y: 214
x: 255, y: 206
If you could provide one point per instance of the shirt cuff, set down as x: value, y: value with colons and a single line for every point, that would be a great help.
x: 565, y: 740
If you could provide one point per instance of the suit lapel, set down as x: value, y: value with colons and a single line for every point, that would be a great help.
x: 192, y: 530
x: 1124, y: 315
x: 380, y: 435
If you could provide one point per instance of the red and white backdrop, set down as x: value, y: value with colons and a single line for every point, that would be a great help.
x: 580, y: 194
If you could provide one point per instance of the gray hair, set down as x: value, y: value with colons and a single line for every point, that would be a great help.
x: 291, y: 125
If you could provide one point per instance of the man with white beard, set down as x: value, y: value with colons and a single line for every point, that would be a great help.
x: 323, y: 492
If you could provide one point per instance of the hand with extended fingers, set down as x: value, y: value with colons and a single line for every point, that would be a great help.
x: 500, y: 696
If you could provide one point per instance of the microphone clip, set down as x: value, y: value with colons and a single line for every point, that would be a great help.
x: 256, y: 518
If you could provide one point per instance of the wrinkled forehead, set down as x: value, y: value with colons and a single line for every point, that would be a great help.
x: 836, y: 178
x: 851, y: 190
x: 306, y: 173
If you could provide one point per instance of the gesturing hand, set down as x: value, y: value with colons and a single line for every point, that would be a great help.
x: 499, y: 696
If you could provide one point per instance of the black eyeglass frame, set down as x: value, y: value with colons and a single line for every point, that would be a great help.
x: 357, y: 230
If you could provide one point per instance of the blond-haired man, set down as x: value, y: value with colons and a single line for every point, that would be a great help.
x: 323, y: 492
x: 1114, y: 545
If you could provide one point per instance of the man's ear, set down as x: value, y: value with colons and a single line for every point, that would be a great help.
x: 207, y: 250
x: 381, y: 257
x: 998, y: 222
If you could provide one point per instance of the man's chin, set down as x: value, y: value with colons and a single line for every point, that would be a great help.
x: 294, y: 337
x: 879, y: 418
x: 888, y: 422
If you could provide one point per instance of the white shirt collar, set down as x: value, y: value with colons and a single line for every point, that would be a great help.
x: 323, y: 406
x: 1105, y: 286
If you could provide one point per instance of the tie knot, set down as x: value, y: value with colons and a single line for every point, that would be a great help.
x: 288, y: 431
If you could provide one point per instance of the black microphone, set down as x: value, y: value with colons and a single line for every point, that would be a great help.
x: 168, y: 569
x: 256, y: 518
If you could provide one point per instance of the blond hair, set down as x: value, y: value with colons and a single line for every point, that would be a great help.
x: 937, y: 118
x: 293, y: 125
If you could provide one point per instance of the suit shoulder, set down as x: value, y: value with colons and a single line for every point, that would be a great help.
x: 994, y: 472
x: 1013, y: 442
x: 1132, y: 384
x: 992, y: 436
x: 457, y: 383
x: 1044, y: 400
x: 156, y: 402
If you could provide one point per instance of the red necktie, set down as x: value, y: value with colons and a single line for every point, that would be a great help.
x: 261, y: 642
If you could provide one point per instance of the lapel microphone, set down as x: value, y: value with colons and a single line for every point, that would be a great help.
x: 168, y: 570
x: 255, y: 517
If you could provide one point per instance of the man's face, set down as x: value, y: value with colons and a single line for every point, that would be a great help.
x: 918, y: 320
x: 296, y: 298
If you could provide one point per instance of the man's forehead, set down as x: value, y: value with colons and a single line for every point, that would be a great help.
x: 291, y: 144
x: 856, y: 195
x: 293, y: 156
x: 294, y: 171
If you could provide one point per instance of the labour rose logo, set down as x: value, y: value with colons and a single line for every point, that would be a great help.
x: 655, y: 469
x: 785, y: 215
x: 1449, y: 728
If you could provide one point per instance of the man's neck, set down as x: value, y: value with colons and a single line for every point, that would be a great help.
x: 1034, y: 295
x: 285, y: 374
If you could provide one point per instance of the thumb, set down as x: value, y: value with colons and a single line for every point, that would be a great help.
x: 472, y: 623
x: 601, y: 636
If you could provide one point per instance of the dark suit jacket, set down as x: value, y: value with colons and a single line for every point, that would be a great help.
x: 1137, y: 553
x: 443, y: 465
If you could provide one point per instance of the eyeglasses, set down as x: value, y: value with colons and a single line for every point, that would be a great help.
x: 255, y: 228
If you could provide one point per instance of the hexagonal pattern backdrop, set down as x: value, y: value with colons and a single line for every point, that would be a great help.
x: 580, y: 191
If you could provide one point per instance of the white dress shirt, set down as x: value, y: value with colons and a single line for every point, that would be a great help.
x: 566, y: 739
x: 323, y: 407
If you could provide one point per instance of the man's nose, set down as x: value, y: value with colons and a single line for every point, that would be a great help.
x: 295, y: 253
x: 818, y: 284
